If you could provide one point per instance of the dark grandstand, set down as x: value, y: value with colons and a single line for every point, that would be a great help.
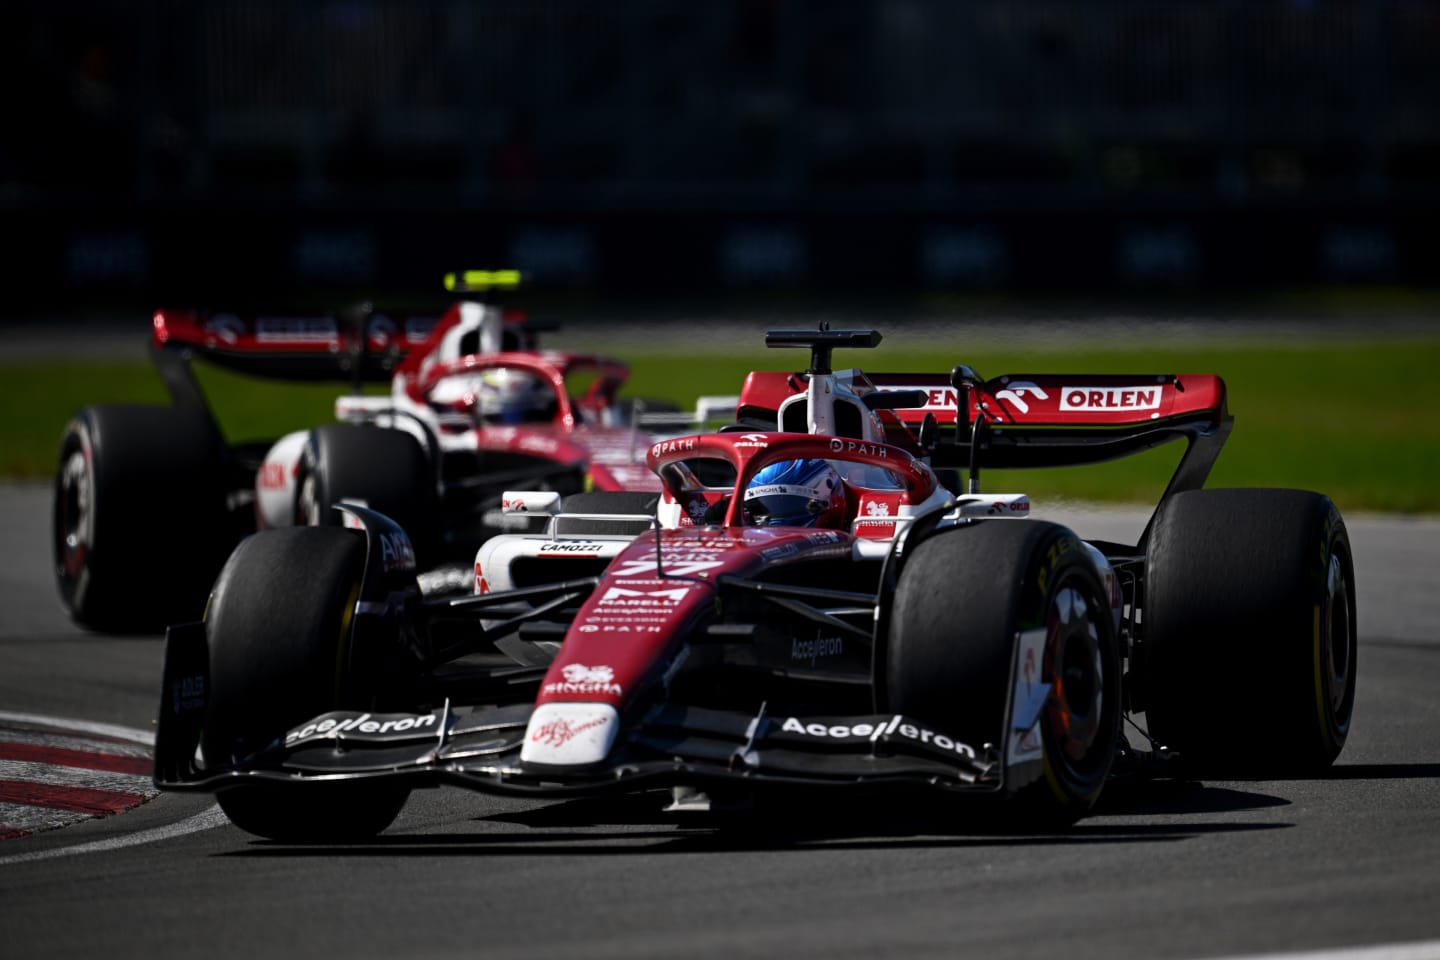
x: 940, y: 144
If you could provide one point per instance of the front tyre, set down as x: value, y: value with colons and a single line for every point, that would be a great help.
x: 1249, y: 631
x: 279, y: 631
x: 964, y: 600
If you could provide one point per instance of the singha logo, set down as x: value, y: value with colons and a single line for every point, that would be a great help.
x: 579, y: 673
x: 578, y: 679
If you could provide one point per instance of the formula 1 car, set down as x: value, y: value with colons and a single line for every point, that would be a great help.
x: 808, y: 609
x: 150, y: 500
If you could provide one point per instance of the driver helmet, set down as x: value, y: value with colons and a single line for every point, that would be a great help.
x: 797, y: 493
x: 500, y: 395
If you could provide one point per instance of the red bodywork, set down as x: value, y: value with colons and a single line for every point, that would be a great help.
x: 575, y: 432
x: 406, y: 350
x: 642, y: 608
x: 1020, y: 399
x: 282, y: 334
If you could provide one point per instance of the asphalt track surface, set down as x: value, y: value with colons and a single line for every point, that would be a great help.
x: 1334, y: 867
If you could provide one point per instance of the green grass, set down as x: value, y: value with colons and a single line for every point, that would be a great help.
x: 1357, y: 419
x: 37, y: 399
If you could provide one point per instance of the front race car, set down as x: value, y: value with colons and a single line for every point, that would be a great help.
x: 719, y: 656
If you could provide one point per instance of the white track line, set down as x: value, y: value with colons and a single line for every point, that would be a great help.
x: 1418, y: 950
x: 83, y: 726
x: 204, y: 820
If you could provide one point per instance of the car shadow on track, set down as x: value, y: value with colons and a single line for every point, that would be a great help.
x: 1179, y: 797
x: 631, y: 826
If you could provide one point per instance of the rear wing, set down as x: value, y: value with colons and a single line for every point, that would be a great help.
x: 1027, y: 420
x: 359, y: 345
x: 1018, y: 421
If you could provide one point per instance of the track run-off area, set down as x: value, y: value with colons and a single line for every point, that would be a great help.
x: 1341, y: 867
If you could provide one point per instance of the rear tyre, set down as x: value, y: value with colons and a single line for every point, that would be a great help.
x: 384, y: 469
x: 278, y: 631
x: 1250, y: 640
x: 139, y: 525
x: 963, y: 598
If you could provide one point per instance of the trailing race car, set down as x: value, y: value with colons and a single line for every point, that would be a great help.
x: 150, y: 500
x: 803, y: 608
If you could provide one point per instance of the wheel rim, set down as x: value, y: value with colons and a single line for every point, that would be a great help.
x: 74, y: 525
x: 1074, y: 665
x: 307, y: 506
x: 1335, y: 656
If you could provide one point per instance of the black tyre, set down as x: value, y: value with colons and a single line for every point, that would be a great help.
x: 963, y: 598
x: 139, y: 527
x: 385, y: 469
x: 278, y: 632
x: 609, y: 502
x: 1249, y: 631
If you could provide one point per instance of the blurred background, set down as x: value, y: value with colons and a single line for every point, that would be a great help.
x: 301, y: 151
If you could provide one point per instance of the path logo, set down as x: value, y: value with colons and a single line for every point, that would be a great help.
x: 858, y: 446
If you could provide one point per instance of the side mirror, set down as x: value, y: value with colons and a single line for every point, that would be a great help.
x: 926, y: 437
x: 965, y: 376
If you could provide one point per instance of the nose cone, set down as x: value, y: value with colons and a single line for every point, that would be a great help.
x: 570, y: 733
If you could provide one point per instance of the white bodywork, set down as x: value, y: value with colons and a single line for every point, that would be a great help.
x: 275, y: 483
x: 822, y: 394
x: 495, y: 556
x: 570, y: 733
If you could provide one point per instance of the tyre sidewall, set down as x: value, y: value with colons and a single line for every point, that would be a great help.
x: 385, y: 469
x: 154, y: 530
x: 1242, y: 638
x: 278, y: 629
x: 962, y: 599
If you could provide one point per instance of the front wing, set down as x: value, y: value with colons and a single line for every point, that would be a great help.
x: 665, y: 745
x: 669, y: 745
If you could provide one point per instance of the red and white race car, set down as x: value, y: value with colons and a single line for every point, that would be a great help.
x: 150, y: 500
x: 803, y: 608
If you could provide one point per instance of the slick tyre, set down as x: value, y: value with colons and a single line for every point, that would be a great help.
x: 384, y: 469
x: 278, y: 632
x: 963, y: 600
x: 1249, y: 631
x: 139, y: 526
